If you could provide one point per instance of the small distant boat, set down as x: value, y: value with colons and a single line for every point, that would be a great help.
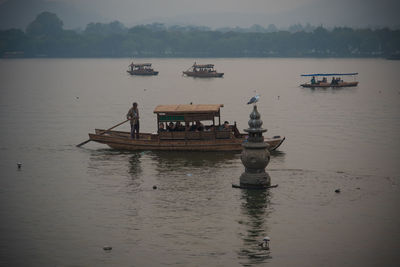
x: 336, y: 80
x: 141, y: 69
x: 203, y: 71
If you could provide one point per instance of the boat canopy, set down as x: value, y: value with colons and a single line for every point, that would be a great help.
x: 142, y: 65
x: 185, y: 109
x: 204, y: 66
x: 330, y: 74
x: 188, y: 113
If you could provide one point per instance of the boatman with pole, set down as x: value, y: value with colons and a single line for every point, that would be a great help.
x: 133, y: 116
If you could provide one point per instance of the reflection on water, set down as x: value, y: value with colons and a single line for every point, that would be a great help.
x: 110, y: 163
x: 135, y: 168
x: 256, y: 210
x: 331, y: 89
x: 278, y: 154
x: 195, y: 159
x: 174, y: 160
x: 277, y: 157
x: 172, y: 171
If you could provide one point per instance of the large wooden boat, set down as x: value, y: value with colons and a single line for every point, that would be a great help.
x: 336, y: 80
x: 141, y: 69
x: 203, y: 71
x: 212, y: 137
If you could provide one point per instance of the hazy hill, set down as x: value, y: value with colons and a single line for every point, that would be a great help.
x: 19, y: 13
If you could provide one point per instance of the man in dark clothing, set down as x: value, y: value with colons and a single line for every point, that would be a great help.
x: 133, y: 115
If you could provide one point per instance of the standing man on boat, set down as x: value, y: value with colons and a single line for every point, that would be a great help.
x: 133, y: 116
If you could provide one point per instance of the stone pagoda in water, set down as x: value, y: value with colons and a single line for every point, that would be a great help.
x: 255, y: 155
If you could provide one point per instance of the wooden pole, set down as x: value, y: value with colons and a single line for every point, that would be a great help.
x: 87, y: 141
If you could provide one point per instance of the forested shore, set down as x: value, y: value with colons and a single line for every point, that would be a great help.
x: 46, y: 37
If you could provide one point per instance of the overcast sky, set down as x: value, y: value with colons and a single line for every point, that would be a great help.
x: 221, y: 13
x: 149, y: 8
x: 218, y: 13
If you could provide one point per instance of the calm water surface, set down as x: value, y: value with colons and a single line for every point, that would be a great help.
x: 66, y: 203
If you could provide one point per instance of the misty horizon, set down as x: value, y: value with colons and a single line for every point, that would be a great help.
x: 213, y: 14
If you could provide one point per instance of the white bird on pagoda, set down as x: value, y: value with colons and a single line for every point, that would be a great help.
x: 254, y: 99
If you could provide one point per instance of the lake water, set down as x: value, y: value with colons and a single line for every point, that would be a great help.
x: 66, y: 203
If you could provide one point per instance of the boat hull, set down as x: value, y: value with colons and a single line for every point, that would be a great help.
x: 143, y: 73
x: 204, y: 74
x: 122, y: 141
x: 325, y: 85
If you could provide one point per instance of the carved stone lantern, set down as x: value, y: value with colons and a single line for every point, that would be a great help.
x: 255, y: 155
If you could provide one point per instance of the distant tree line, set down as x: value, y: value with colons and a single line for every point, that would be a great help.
x: 46, y: 37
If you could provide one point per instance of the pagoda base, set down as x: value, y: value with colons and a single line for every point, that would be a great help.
x: 258, y: 180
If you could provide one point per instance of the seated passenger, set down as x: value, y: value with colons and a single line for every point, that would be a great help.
x: 179, y: 127
x: 171, y: 127
x: 199, y: 126
x: 192, y: 127
x: 161, y: 127
x: 225, y: 126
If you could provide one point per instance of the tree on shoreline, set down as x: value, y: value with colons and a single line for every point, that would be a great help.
x: 45, y: 24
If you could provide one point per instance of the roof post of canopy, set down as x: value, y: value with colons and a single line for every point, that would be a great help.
x: 158, y: 124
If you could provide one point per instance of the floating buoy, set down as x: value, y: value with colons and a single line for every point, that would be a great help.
x: 19, y: 165
x: 337, y: 191
x: 107, y: 248
x: 154, y: 187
